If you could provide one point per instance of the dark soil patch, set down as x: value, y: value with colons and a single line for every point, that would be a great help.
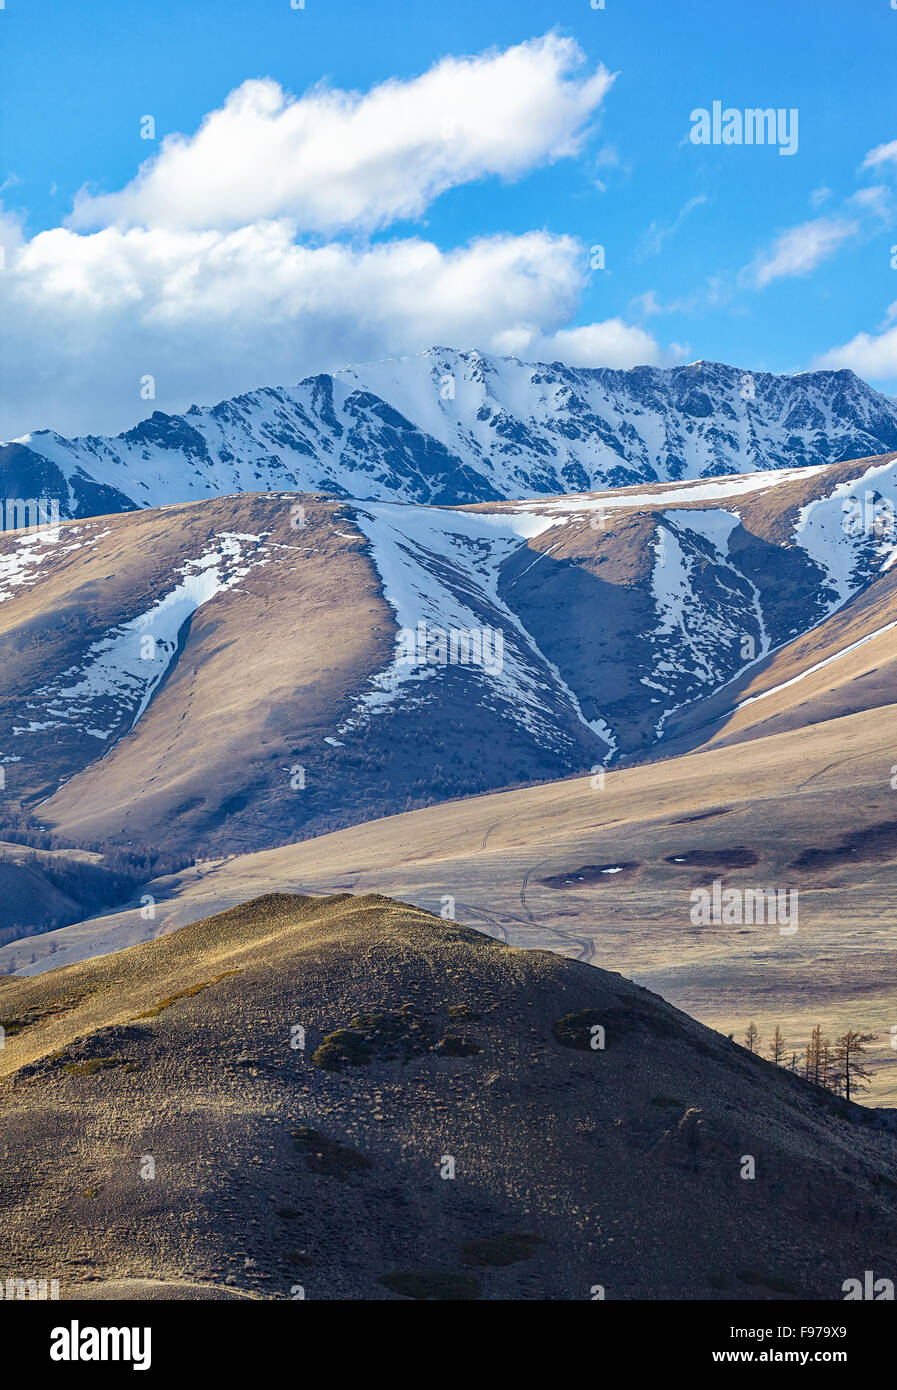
x: 498, y: 1251
x: 755, y: 1279
x: 875, y: 844
x: 589, y: 874
x: 735, y: 858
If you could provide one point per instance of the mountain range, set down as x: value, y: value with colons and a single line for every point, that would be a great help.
x: 450, y: 427
x: 335, y: 674
x: 255, y: 669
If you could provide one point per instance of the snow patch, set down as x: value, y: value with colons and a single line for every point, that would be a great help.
x: 120, y: 673
x: 441, y: 568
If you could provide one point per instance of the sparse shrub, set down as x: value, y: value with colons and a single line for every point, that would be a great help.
x: 185, y: 994
x: 575, y: 1030
x: 388, y: 1036
x: 384, y: 1036
x: 91, y: 1065
x: 457, y: 1045
x: 14, y: 1025
x: 392, y: 1035
x: 344, y: 1048
x: 328, y: 1156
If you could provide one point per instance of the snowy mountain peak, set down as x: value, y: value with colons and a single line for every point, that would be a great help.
x: 452, y: 426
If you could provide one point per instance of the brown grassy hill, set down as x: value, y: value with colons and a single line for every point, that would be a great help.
x: 214, y: 737
x: 624, y: 618
x: 812, y: 810
x: 574, y: 1167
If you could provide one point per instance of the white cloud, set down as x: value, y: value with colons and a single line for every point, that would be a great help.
x: 800, y: 249
x: 333, y: 159
x: 199, y: 272
x: 872, y: 355
x: 210, y: 314
x: 716, y: 293
x: 882, y: 154
x: 647, y: 304
x: 874, y: 200
x: 612, y: 343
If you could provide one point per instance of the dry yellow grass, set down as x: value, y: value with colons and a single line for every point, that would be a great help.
x: 197, y: 1152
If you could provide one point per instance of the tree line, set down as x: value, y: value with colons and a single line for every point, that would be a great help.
x: 838, y: 1065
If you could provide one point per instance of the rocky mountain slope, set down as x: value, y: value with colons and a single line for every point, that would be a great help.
x: 238, y: 1110
x: 450, y: 427
x: 221, y: 676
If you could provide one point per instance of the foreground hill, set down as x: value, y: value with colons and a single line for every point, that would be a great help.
x: 221, y: 676
x: 450, y: 427
x: 163, y: 1135
x: 606, y: 873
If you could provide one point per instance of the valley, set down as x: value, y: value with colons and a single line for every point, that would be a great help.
x: 689, y: 689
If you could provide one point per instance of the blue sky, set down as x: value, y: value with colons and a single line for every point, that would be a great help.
x: 728, y: 252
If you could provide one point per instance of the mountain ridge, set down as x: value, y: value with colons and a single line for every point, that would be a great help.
x: 137, y: 723
x: 449, y: 427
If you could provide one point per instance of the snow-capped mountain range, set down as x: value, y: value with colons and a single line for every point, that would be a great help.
x: 449, y: 427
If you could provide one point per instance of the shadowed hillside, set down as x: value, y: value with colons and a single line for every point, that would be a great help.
x: 162, y: 1127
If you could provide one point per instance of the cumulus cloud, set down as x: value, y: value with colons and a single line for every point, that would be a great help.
x: 209, y: 313
x: 240, y: 257
x: 800, y: 249
x: 872, y: 355
x: 612, y: 343
x: 332, y: 159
